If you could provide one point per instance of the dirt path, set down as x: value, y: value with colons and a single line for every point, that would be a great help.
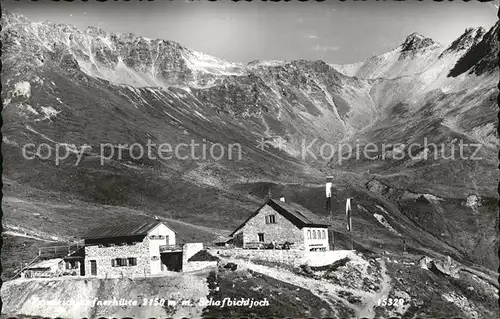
x: 368, y: 311
x: 325, y: 290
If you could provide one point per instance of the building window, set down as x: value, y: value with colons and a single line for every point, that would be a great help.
x: 271, y: 219
x: 314, y: 234
x: 261, y: 237
x: 157, y: 237
x: 309, y: 234
x: 119, y: 262
x: 323, y: 234
x: 132, y: 261
x: 122, y: 262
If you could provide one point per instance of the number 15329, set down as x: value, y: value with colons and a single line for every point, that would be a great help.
x: 391, y: 302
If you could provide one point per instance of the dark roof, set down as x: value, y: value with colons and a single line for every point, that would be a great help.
x: 122, y: 230
x: 222, y: 239
x: 295, y: 213
x: 203, y: 255
x: 300, y: 212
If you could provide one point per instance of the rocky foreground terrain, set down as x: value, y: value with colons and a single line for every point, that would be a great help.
x: 74, y: 91
x: 356, y: 286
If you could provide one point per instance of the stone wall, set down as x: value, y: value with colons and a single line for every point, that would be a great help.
x: 188, y: 250
x: 289, y: 257
x: 198, y: 265
x: 104, y: 255
x: 281, y: 231
x: 322, y: 258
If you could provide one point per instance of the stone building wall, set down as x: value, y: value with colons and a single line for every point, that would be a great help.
x: 281, y: 231
x: 104, y: 255
x: 188, y: 250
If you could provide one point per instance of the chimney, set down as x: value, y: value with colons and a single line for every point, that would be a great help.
x: 282, y: 198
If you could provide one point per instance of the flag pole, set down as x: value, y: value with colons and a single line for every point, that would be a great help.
x: 350, y: 226
x: 350, y: 235
x: 331, y: 217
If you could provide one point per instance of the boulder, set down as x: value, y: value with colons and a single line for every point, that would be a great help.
x: 447, y: 267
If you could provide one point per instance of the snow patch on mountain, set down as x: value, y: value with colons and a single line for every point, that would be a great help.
x: 381, y: 219
x: 198, y: 61
x: 29, y: 108
x: 22, y: 89
x: 49, y: 112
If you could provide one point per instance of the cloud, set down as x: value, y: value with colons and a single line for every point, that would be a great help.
x: 325, y: 48
x: 312, y: 36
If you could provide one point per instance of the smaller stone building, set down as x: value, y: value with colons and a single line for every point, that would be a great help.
x: 46, y: 268
x: 279, y: 222
x: 128, y: 250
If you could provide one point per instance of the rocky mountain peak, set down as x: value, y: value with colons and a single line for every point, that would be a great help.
x: 416, y: 41
x: 469, y: 38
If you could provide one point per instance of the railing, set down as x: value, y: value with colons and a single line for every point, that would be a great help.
x: 170, y: 248
x: 25, y: 267
x: 263, y: 245
x: 58, y: 251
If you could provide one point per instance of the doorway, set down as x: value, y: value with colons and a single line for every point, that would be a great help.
x: 171, y: 261
x: 93, y: 268
x: 238, y: 240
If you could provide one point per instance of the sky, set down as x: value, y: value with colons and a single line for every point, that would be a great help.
x: 333, y: 31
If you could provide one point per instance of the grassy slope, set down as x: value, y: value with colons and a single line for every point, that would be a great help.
x: 285, y: 300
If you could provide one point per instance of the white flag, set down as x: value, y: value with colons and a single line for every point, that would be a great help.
x: 348, y: 214
x: 328, y: 189
x: 328, y: 186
